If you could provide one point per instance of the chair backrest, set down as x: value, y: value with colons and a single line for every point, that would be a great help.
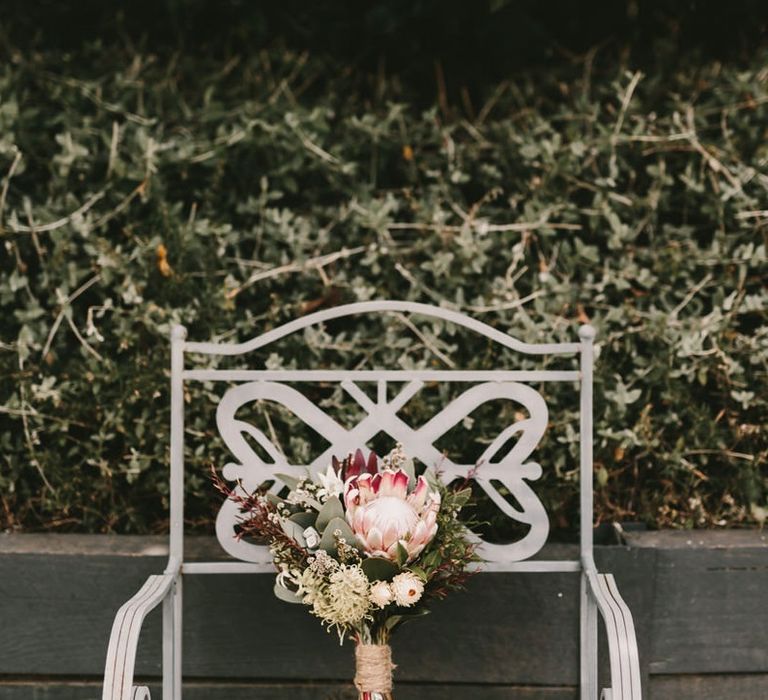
x: 513, y: 470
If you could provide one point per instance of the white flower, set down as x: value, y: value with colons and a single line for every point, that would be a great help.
x: 332, y: 484
x: 345, y: 600
x: 381, y: 594
x: 407, y: 589
x: 312, y: 537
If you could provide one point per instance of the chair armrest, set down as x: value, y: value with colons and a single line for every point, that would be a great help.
x: 124, y: 639
x: 622, y: 641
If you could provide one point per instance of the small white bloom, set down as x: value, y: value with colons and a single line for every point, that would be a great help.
x: 407, y: 589
x: 312, y: 537
x: 381, y: 594
x: 332, y: 484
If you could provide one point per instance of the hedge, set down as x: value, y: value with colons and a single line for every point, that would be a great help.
x: 235, y: 190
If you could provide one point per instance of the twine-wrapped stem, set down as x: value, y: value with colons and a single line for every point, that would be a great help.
x: 373, y: 671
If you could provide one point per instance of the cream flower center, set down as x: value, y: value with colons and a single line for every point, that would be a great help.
x: 387, y: 511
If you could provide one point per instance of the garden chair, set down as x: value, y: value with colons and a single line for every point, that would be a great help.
x: 599, y: 593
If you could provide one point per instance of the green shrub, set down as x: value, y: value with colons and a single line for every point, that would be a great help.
x: 234, y: 193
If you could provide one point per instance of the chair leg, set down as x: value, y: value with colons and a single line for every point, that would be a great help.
x: 177, y: 619
x: 588, y: 647
x: 168, y: 650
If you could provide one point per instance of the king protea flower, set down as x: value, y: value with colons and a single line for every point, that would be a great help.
x: 383, y: 514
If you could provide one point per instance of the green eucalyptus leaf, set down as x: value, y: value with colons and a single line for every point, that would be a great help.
x: 401, y: 618
x: 402, y: 554
x: 379, y: 569
x: 294, y: 531
x: 305, y: 520
x: 285, y: 595
x: 331, y: 509
x: 328, y: 542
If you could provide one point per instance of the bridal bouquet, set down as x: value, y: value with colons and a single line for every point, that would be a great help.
x: 365, y: 546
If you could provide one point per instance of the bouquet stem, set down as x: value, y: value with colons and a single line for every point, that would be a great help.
x: 373, y: 671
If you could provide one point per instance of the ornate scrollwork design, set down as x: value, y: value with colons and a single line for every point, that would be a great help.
x: 512, y: 471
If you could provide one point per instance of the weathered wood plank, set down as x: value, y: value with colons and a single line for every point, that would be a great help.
x: 53, y: 603
x: 740, y: 686
x: 290, y: 691
x: 698, y: 610
x: 711, y: 612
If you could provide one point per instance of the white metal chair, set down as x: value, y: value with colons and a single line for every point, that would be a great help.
x: 599, y: 593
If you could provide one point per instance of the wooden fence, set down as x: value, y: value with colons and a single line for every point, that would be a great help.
x: 700, y: 601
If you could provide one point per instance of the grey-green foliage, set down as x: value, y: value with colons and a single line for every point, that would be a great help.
x: 231, y: 196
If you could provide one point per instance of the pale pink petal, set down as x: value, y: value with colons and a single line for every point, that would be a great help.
x: 367, y: 493
x: 419, y: 535
x: 358, y: 521
x: 374, y: 540
x: 368, y: 520
x: 351, y: 496
x: 400, y: 484
x: 419, y: 494
x: 414, y: 550
x: 392, y: 550
x: 390, y: 536
x: 386, y: 488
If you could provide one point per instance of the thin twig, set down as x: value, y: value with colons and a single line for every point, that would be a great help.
x: 44, y: 416
x: 6, y: 184
x: 139, y: 189
x: 59, y: 223
x: 483, y: 226
x: 312, y: 264
x: 427, y: 343
x: 727, y: 453
x: 636, y: 77
x: 715, y: 165
x: 60, y: 316
x: 506, y: 305
x: 82, y: 340
x: 113, y: 148
x: 692, y: 293
x: 28, y: 434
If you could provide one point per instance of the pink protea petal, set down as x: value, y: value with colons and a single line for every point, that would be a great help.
x: 390, y: 536
x: 358, y: 462
x: 374, y: 540
x: 358, y: 521
x: 419, y: 495
x: 400, y: 484
x: 368, y: 520
x: 392, y: 550
x: 373, y: 466
x: 367, y: 492
x: 419, y: 535
x: 386, y: 487
x: 414, y: 551
x: 376, y: 483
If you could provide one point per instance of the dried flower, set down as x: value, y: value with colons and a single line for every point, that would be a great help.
x: 407, y: 589
x: 381, y: 594
x: 344, y: 601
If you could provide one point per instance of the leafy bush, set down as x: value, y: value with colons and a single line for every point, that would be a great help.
x: 233, y: 192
